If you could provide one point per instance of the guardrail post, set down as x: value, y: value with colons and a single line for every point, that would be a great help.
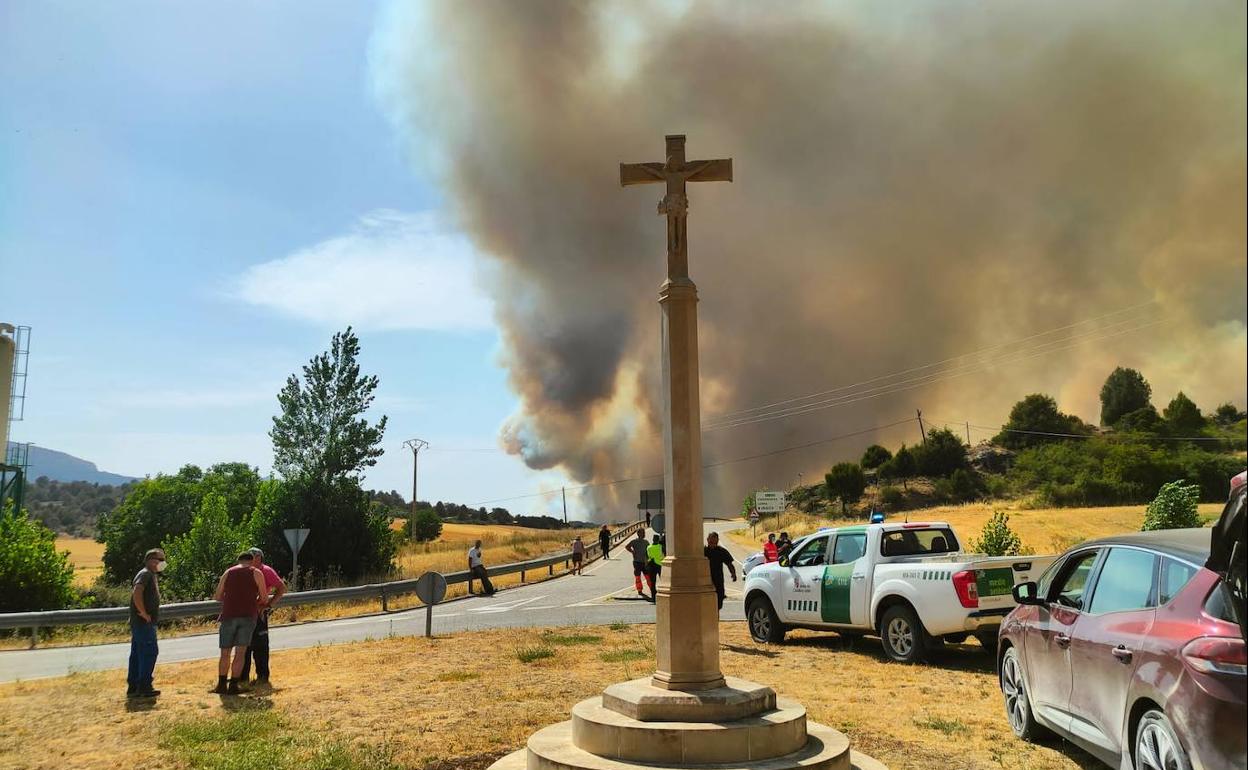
x: 521, y: 576
x: 550, y: 569
x: 385, y: 607
x: 34, y: 636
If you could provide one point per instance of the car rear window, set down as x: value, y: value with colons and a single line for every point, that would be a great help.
x: 1219, y: 604
x: 1174, y: 575
x: 918, y: 542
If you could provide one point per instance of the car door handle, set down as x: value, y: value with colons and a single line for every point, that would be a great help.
x: 1121, y: 653
x: 859, y: 577
x: 1063, y: 641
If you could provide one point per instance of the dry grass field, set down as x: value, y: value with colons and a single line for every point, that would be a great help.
x: 1047, y: 530
x: 86, y: 555
x: 460, y: 702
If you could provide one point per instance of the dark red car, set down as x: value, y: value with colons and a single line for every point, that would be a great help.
x: 1129, y: 647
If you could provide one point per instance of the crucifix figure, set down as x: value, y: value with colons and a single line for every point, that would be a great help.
x: 687, y: 615
x: 675, y: 172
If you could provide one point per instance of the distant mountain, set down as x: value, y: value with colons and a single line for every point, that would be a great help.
x: 59, y: 466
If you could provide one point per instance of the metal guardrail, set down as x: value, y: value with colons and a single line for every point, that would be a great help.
x: 382, y: 591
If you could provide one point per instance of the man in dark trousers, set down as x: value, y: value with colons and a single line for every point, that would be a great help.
x: 647, y: 519
x: 604, y: 541
x: 476, y: 569
x: 274, y: 589
x: 144, y: 612
x: 241, y: 593
x: 637, y: 547
x: 719, y: 558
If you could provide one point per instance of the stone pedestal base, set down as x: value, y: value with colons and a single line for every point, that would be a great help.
x: 635, y: 725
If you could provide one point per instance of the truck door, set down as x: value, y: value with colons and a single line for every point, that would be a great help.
x: 845, y: 580
x: 803, y: 581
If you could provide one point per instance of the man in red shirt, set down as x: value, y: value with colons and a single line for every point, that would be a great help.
x: 241, y: 593
x: 274, y: 589
x: 771, y: 551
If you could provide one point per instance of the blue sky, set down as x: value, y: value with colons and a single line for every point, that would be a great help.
x: 192, y: 199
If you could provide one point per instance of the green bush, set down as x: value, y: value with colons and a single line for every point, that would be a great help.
x: 875, y: 456
x: 428, y: 526
x: 892, y: 498
x: 197, y: 559
x: 33, y: 576
x: 1173, y: 508
x: 1034, y: 415
x: 997, y: 539
x: 941, y: 455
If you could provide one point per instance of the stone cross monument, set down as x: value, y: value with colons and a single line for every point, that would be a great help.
x: 687, y: 614
x: 687, y: 715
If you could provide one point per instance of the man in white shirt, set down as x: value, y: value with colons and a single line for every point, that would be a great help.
x: 476, y: 569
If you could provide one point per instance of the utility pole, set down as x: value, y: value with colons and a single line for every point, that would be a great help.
x: 415, y: 445
x: 564, y: 492
x: 922, y: 432
x: 968, y: 432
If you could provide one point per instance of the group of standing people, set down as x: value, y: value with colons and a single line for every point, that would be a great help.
x: 247, y: 591
x: 776, y: 549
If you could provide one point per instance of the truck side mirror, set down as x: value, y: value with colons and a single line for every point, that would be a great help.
x: 1027, y: 593
x: 783, y: 561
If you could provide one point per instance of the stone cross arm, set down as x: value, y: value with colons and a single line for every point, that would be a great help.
x: 719, y: 170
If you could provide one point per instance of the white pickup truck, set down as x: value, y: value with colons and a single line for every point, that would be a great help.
x: 910, y: 583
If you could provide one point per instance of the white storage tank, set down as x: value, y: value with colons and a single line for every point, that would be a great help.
x: 8, y: 351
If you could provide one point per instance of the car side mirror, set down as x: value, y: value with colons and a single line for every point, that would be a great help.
x: 784, y: 561
x: 1027, y: 593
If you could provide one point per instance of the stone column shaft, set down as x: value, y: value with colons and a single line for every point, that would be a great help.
x: 687, y: 612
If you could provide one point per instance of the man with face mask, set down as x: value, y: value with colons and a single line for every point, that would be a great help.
x: 144, y: 612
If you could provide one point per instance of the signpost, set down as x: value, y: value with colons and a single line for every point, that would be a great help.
x: 430, y: 589
x: 754, y: 520
x: 296, y: 538
x: 651, y: 500
x: 659, y: 524
x: 770, y: 502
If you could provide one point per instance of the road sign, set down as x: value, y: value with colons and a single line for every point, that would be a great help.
x: 769, y: 502
x: 651, y: 500
x: 658, y: 523
x: 295, y: 538
x: 753, y: 514
x: 430, y: 589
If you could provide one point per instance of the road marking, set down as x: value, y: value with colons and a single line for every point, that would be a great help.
x: 596, y: 602
x: 541, y: 607
x: 504, y: 607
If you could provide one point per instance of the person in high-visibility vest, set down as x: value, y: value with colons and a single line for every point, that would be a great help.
x: 654, y: 564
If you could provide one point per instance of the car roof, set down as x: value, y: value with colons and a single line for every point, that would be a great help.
x: 1189, y: 544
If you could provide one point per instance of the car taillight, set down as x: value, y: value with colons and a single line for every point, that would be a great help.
x: 968, y: 591
x: 1217, y: 655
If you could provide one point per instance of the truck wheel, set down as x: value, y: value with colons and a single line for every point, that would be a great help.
x: 902, y: 634
x: 988, y: 640
x: 764, y: 625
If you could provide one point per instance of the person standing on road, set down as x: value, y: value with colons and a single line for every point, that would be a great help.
x: 241, y: 593
x: 637, y: 547
x: 144, y: 612
x: 604, y: 541
x: 476, y: 569
x: 274, y: 589
x: 783, y: 545
x: 719, y: 557
x: 647, y: 519
x: 771, y: 552
x: 578, y: 556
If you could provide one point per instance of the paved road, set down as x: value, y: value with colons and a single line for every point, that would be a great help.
x: 604, y: 594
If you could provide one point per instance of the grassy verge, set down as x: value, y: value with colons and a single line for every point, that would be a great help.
x: 463, y: 701
x: 1047, y: 530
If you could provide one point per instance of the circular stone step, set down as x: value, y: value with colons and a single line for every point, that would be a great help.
x: 551, y: 748
x: 737, y: 699
x: 607, y: 733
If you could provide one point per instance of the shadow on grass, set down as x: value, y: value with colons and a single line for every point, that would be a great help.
x: 246, y: 703
x: 141, y: 704
x: 952, y: 657
x: 764, y: 652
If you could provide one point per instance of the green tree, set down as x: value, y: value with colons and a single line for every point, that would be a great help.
x: 33, y: 576
x: 941, y: 455
x: 1227, y: 414
x: 1036, y: 414
x: 845, y: 482
x: 1125, y: 390
x: 875, y: 456
x: 427, y: 524
x: 902, y: 467
x: 1173, y: 508
x: 1142, y: 420
x: 197, y: 558
x: 321, y: 431
x: 997, y: 539
x: 747, y: 505
x: 1183, y: 417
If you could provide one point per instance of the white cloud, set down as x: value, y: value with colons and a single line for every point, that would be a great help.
x: 393, y: 271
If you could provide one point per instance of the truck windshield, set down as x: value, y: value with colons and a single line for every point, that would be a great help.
x: 918, y: 542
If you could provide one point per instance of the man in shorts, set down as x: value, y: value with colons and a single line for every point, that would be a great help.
x: 241, y: 593
x: 274, y: 588
x: 578, y: 555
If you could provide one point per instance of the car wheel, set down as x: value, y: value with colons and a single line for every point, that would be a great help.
x: 764, y: 625
x: 902, y: 634
x: 1156, y: 745
x: 1017, y: 704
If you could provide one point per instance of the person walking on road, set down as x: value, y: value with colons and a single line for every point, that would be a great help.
x: 274, y: 589
x: 578, y: 556
x: 604, y: 541
x: 771, y: 552
x: 637, y: 547
x: 654, y: 564
x: 241, y: 593
x: 476, y: 569
x: 144, y: 612
x: 719, y: 557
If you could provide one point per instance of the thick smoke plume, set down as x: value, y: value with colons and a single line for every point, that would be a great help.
x: 914, y: 181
